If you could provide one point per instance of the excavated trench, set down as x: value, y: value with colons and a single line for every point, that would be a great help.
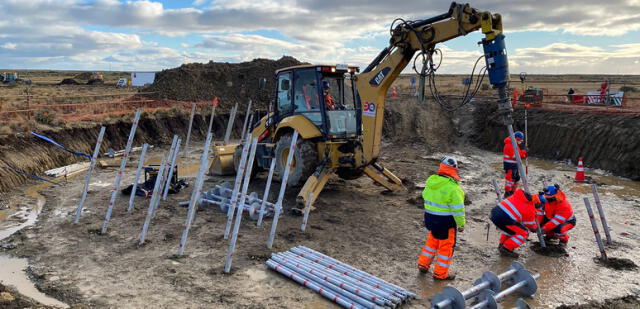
x: 606, y: 141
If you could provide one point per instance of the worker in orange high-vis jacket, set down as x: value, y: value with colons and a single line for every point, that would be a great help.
x: 443, y: 217
x: 516, y: 216
x: 510, y: 164
x: 558, y: 216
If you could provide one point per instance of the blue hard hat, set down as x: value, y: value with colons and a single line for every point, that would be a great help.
x: 519, y: 135
x: 325, y: 84
x: 550, y: 190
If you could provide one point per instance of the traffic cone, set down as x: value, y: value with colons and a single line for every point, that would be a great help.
x: 580, y: 171
x: 394, y: 94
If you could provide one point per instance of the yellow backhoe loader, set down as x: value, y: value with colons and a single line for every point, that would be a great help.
x: 338, y: 111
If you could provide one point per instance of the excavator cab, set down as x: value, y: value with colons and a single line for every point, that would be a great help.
x: 325, y: 95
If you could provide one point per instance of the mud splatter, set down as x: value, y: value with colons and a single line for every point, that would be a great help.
x: 552, y: 250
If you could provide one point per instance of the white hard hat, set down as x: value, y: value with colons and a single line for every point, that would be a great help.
x: 450, y: 161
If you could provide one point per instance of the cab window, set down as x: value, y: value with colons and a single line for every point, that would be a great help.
x: 284, y: 93
x: 306, y: 98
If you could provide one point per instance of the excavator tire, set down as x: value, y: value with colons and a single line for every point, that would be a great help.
x: 305, y: 159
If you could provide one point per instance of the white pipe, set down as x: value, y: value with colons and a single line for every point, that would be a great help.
x: 307, y: 210
x: 603, y: 217
x: 171, y: 168
x: 265, y: 197
x: 87, y: 179
x: 195, y: 194
x: 186, y: 143
x: 246, y: 118
x: 594, y: 226
x: 283, y: 187
x: 134, y: 188
x: 236, y: 187
x: 123, y: 164
x: 232, y: 119
x: 236, y: 226
x: 154, y: 196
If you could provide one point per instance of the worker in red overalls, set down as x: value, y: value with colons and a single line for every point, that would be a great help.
x: 515, y: 216
x: 510, y: 165
x: 328, y: 100
x: 558, y: 216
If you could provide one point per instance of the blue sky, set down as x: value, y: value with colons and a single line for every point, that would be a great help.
x: 572, y: 36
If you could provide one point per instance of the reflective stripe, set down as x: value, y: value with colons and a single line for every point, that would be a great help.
x: 442, y: 264
x: 529, y: 223
x: 560, y: 217
x: 427, y: 254
x: 443, y: 257
x: 515, y: 210
x: 429, y: 249
x: 580, y: 169
x: 516, y: 240
x: 521, y: 237
x: 456, y: 206
x: 510, y: 161
x: 555, y: 221
x: 444, y: 213
x: 539, y: 213
x: 507, y: 212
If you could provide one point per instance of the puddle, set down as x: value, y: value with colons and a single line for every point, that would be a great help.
x: 12, y: 273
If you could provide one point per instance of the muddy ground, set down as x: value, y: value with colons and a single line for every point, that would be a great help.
x: 355, y: 221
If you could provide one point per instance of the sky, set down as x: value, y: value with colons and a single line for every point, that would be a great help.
x: 542, y: 36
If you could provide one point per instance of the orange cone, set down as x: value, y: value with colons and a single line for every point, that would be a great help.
x: 580, y: 171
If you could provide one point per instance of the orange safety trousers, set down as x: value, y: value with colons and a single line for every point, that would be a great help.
x: 439, y: 249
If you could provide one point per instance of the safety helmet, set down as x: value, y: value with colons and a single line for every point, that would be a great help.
x: 551, y: 190
x: 519, y: 135
x: 325, y: 84
x: 450, y: 162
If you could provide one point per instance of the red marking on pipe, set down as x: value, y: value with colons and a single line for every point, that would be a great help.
x: 305, y: 282
x: 321, y: 289
x: 335, y: 299
x: 342, y: 285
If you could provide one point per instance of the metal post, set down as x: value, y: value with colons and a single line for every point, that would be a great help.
x: 123, y: 164
x: 236, y: 186
x: 283, y: 187
x: 195, y: 194
x: 186, y: 143
x: 245, y: 187
x: 347, y: 291
x: 523, y: 176
x: 87, y: 179
x: 497, y: 189
x: 154, y: 196
x: 134, y: 188
x: 603, y: 216
x: 526, y: 140
x: 232, y: 118
x: 386, y: 297
x: 594, y: 226
x: 265, y: 197
x: 246, y: 118
x: 174, y: 157
x: 350, y: 271
x: 306, y: 283
x: 213, y: 114
x: 165, y: 173
x: 307, y: 210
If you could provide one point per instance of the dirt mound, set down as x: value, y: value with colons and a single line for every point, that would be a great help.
x: 95, y: 81
x: 617, y: 263
x: 69, y: 81
x: 230, y: 82
x: 605, y: 141
x: 625, y: 302
x: 84, y: 75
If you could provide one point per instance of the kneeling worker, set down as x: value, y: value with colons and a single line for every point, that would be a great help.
x: 558, y: 215
x: 514, y: 216
x: 443, y: 216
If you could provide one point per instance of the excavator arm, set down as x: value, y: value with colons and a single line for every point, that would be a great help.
x: 407, y: 38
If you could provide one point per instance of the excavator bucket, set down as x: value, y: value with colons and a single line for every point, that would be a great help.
x: 223, y: 160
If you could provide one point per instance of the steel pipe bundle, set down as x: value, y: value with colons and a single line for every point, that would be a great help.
x: 347, y: 286
x: 452, y: 298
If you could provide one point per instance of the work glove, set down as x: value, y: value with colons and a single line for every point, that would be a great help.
x: 460, y: 229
